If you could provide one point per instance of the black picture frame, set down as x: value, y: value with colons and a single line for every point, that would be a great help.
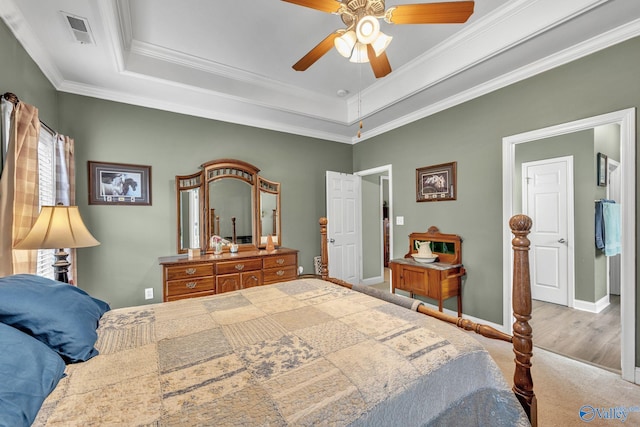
x: 601, y: 167
x: 436, y: 183
x: 119, y: 184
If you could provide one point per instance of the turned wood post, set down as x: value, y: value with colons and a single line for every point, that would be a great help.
x: 233, y: 225
x: 522, y: 335
x: 324, y: 251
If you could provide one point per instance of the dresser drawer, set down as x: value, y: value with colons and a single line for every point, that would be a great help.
x: 189, y: 286
x: 280, y: 261
x: 187, y: 271
x: 283, y: 274
x: 238, y: 266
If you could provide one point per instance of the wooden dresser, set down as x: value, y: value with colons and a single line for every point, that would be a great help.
x: 438, y: 280
x: 185, y: 277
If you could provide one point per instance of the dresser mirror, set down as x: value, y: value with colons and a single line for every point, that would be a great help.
x: 189, y: 189
x: 269, y: 222
x: 229, y: 199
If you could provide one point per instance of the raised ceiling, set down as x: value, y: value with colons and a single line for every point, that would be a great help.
x: 231, y: 60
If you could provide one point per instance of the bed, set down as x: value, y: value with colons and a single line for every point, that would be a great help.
x: 312, y: 351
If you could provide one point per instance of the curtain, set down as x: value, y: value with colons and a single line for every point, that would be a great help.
x: 66, y: 185
x: 19, y: 190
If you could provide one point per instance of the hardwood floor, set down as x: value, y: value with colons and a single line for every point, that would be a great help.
x: 588, y: 337
x: 580, y: 335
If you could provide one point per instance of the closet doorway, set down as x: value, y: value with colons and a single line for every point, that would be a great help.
x: 376, y: 228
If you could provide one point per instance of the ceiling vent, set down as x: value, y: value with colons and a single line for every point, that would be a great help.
x: 79, y: 28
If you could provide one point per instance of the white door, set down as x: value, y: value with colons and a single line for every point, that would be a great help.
x: 343, y: 227
x: 547, y: 198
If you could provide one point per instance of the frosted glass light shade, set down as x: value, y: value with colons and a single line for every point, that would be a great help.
x: 359, y: 54
x: 381, y: 43
x: 367, y: 29
x: 345, y: 43
x: 58, y: 227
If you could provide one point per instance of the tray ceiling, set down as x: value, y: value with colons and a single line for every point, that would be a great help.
x: 231, y: 60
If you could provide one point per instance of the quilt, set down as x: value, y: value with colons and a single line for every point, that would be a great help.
x: 304, y: 352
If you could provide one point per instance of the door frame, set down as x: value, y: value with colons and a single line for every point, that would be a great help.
x: 612, y: 166
x: 627, y: 121
x: 374, y: 171
x: 571, y: 256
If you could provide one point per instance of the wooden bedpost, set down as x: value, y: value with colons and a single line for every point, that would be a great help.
x: 324, y: 251
x: 522, y: 336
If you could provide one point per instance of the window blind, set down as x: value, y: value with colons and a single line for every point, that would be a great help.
x: 47, y: 193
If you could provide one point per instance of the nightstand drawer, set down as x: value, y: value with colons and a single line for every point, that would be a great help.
x: 280, y: 261
x: 189, y: 286
x: 189, y: 271
x: 228, y: 267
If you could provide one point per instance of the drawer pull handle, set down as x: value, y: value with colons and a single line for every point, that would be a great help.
x: 280, y: 273
x: 239, y: 267
x: 192, y: 285
x: 190, y: 271
x: 280, y: 261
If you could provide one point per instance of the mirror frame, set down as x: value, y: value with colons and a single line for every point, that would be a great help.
x: 235, y: 169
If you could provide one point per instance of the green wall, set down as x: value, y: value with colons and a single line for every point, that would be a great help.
x: 371, y: 226
x: 20, y: 75
x: 471, y: 134
x: 133, y: 237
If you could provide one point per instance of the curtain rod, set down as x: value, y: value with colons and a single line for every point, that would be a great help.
x: 13, y: 98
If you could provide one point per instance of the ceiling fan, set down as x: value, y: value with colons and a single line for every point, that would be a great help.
x: 362, y: 40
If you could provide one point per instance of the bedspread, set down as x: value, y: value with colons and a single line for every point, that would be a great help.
x: 304, y: 352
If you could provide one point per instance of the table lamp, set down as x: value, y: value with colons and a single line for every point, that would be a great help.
x: 58, y: 227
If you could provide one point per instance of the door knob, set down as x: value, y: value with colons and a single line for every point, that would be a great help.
x: 332, y: 240
x: 561, y: 240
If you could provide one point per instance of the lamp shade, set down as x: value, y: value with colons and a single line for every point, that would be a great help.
x: 367, y: 29
x: 58, y: 227
x: 345, y: 43
x: 359, y: 54
x: 381, y: 43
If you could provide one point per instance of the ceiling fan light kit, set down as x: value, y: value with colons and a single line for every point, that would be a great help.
x: 362, y: 41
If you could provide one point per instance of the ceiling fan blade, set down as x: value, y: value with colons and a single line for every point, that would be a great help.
x: 329, y: 6
x: 379, y: 64
x: 316, y: 53
x: 455, y: 12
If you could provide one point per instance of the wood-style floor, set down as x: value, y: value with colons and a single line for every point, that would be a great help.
x: 588, y: 337
x: 580, y: 335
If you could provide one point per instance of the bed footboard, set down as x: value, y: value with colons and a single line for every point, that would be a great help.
x: 522, y: 333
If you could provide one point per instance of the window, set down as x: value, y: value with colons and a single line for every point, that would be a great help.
x: 47, y: 192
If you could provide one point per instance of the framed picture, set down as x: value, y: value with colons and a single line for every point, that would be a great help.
x: 602, y: 170
x: 119, y: 184
x: 436, y: 183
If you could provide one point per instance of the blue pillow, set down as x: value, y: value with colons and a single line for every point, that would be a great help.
x: 60, y: 315
x: 29, y: 371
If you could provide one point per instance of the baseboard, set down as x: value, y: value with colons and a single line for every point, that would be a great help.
x: 372, y: 281
x: 592, y: 307
x: 637, y: 376
x: 501, y: 328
